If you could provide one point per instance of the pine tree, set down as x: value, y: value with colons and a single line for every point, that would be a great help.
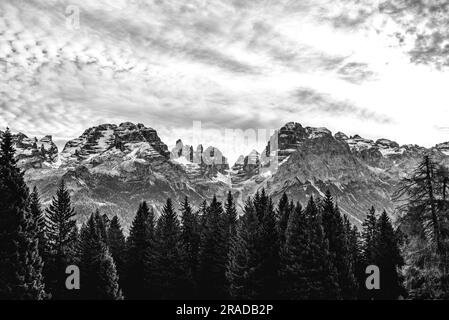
x: 167, y: 276
x: 284, y: 210
x: 253, y: 266
x: 20, y: 262
x: 334, y: 231
x: 7, y: 152
x: 322, y: 277
x: 139, y: 245
x: 388, y: 259
x: 367, y: 252
x: 237, y: 266
x: 61, y: 233
x: 202, y: 212
x: 267, y: 247
x: 103, y: 223
x: 293, y: 271
x: 190, y: 240
x: 368, y: 237
x: 230, y: 218
x: 353, y: 238
x: 29, y: 279
x: 213, y: 253
x: 422, y: 189
x: 117, y: 247
x: 99, y: 280
x: 39, y: 219
x: 242, y: 257
x: 424, y: 221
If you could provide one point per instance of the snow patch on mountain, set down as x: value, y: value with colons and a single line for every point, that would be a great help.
x: 226, y: 179
x: 312, y: 183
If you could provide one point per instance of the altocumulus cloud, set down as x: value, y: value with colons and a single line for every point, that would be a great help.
x: 230, y: 64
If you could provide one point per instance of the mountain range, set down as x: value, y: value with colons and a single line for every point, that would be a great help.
x: 114, y: 167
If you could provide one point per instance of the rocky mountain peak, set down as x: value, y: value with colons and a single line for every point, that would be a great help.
x: 387, y: 143
x: 200, y: 161
x: 129, y: 126
x: 318, y: 132
x: 246, y: 167
x: 341, y: 136
x: 240, y: 161
x: 368, y: 148
x: 357, y: 144
x: 290, y: 138
x: 292, y: 126
x: 33, y: 152
x: 127, y: 138
x: 251, y: 161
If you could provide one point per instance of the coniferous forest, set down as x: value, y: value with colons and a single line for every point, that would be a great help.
x: 269, y: 251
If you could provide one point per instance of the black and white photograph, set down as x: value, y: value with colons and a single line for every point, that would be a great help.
x: 235, y: 151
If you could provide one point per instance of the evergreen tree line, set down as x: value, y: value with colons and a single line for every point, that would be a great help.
x: 282, y: 251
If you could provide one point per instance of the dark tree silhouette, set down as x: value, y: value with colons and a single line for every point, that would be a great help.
x: 62, y: 238
x: 40, y: 220
x: 388, y: 259
x: 190, y: 241
x: 294, y: 272
x: 284, y: 210
x: 139, y: 248
x: 20, y: 262
x: 322, y: 275
x: 117, y: 247
x: 213, y: 253
x: 337, y: 238
x: 99, y: 279
x: 168, y: 277
x: 243, y: 259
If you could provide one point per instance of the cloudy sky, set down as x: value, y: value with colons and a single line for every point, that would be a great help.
x: 374, y: 68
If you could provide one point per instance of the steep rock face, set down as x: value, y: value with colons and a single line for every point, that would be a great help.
x: 238, y: 165
x: 34, y: 153
x: 98, y: 143
x: 319, y: 162
x: 251, y: 162
x: 289, y: 139
x: 341, y: 136
x: 246, y: 167
x: 326, y: 163
x: 359, y: 172
x: 113, y: 168
x: 200, y: 162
